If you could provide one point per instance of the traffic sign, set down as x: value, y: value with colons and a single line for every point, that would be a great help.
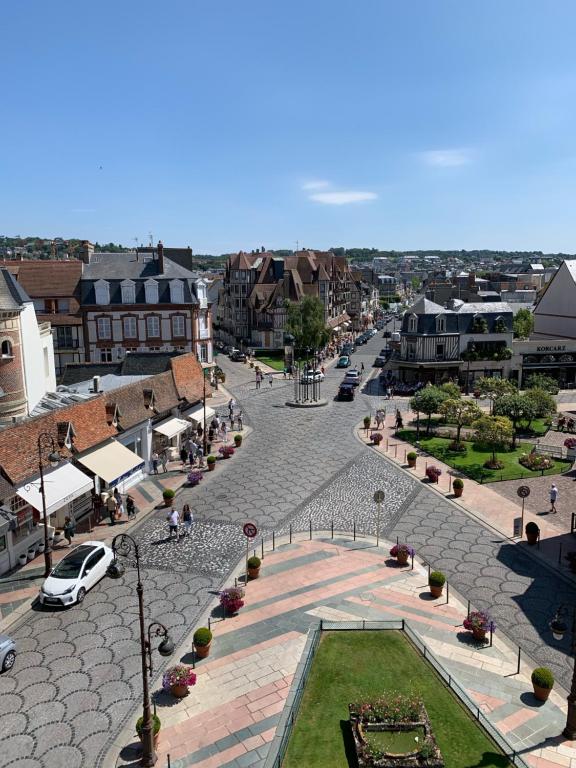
x: 379, y: 497
x: 250, y: 530
x: 523, y: 491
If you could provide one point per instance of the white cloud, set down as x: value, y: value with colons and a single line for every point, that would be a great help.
x: 447, y: 158
x: 319, y: 184
x: 342, y: 198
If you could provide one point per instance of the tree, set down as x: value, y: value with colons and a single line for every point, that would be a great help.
x: 517, y: 408
x: 543, y: 402
x: 493, y: 432
x: 305, y: 321
x: 493, y: 389
x: 428, y: 401
x: 541, y: 381
x: 460, y: 412
x: 523, y: 324
x: 451, y: 389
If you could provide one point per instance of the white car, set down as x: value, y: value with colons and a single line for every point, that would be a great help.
x: 76, y: 573
x: 310, y: 376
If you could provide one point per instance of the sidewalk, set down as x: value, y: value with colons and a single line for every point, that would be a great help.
x: 230, y: 716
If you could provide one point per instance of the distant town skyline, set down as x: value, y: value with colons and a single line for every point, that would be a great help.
x: 224, y: 127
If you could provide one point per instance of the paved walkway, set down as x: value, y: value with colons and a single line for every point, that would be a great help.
x: 229, y: 718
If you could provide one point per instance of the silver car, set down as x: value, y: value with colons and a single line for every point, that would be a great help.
x: 7, y: 653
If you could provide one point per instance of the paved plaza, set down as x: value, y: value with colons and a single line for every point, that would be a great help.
x: 296, y: 466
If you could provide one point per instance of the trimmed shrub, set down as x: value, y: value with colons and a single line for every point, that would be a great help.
x: 155, y: 724
x: 254, y: 562
x: 211, y: 460
x: 433, y: 473
x: 437, y: 579
x: 412, y: 455
x: 202, y: 636
x: 168, y: 494
x: 457, y: 483
x: 543, y: 678
x: 376, y: 438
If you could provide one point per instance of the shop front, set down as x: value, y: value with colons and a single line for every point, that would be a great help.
x: 552, y: 357
x: 113, y: 466
x: 168, y: 434
x: 196, y: 415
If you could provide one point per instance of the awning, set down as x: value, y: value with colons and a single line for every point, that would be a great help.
x: 61, y: 485
x: 198, y: 413
x: 335, y: 330
x: 112, y: 462
x: 172, y: 427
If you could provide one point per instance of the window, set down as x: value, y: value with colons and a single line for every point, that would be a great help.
x: 106, y: 355
x: 102, y: 292
x: 178, y: 325
x: 130, y: 327
x: 439, y: 351
x: 440, y: 324
x: 153, y: 326
x: 38, y: 305
x: 128, y: 293
x: 413, y: 323
x: 104, y: 328
x: 7, y: 349
x: 151, y: 289
x: 63, y: 306
x: 411, y: 351
x: 203, y: 353
x: 177, y: 292
x: 64, y: 337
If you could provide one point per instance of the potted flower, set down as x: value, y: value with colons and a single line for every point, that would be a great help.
x: 570, y: 444
x: 376, y: 438
x: 231, y: 599
x: 155, y: 728
x: 542, y: 682
x: 237, y: 440
x: 479, y: 622
x: 458, y: 486
x: 402, y: 552
x: 177, y: 679
x: 532, y: 532
x: 411, y: 457
x: 202, y: 639
x: 254, y: 564
x: 211, y: 462
x: 433, y: 473
x: 367, y: 422
x: 194, y: 477
x: 436, y: 582
x: 226, y: 451
x: 168, y: 496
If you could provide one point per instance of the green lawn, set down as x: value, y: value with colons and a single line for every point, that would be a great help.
x: 354, y: 665
x: 274, y: 362
x: 472, y: 462
x: 538, y: 427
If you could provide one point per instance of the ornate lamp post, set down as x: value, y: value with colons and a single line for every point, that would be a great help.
x: 559, y: 628
x: 125, y: 546
x: 47, y: 445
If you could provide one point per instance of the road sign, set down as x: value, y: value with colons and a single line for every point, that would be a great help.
x: 250, y: 530
x: 379, y: 497
x: 523, y: 491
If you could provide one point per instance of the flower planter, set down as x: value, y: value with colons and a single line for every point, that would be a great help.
x: 57, y: 537
x: 202, y: 651
x: 41, y: 547
x: 253, y: 573
x: 435, y: 591
x: 212, y: 467
x: 22, y: 559
x: 402, y: 558
x: 179, y: 691
x: 458, y: 492
x: 412, y: 463
x: 31, y: 554
x: 541, y: 693
x: 238, y: 441
x: 478, y: 634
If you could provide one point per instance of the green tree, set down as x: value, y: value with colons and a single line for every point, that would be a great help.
x: 305, y: 321
x: 543, y: 402
x: 517, y: 408
x: 428, y: 401
x: 541, y: 381
x: 460, y: 412
x: 451, y: 389
x: 494, y: 432
x: 523, y: 324
x: 492, y: 388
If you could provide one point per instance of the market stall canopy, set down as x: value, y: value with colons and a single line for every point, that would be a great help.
x: 172, y: 427
x: 61, y: 485
x: 198, y: 413
x: 112, y: 462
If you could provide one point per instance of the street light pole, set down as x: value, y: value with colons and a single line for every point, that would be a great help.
x: 204, y: 405
x: 46, y: 441
x: 559, y: 627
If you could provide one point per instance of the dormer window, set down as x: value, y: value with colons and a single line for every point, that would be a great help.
x: 413, y: 323
x: 177, y: 292
x: 441, y: 324
x: 102, y: 292
x: 128, y: 292
x: 151, y: 289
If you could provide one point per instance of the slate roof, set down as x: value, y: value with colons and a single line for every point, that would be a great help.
x: 458, y: 320
x: 123, y: 266
x: 74, y: 373
x: 147, y: 363
x: 12, y: 295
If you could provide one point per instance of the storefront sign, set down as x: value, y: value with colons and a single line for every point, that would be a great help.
x: 557, y: 348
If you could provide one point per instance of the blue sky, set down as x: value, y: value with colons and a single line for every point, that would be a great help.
x: 225, y: 125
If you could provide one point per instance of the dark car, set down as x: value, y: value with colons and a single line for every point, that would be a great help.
x: 386, y: 335
x: 379, y: 362
x: 348, y: 349
x: 237, y: 357
x: 344, y: 362
x: 346, y: 391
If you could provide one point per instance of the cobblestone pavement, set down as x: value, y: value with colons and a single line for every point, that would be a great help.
x: 539, y: 499
x: 77, y: 681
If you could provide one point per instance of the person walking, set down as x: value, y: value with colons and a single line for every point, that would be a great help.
x: 231, y: 406
x: 173, y: 519
x: 68, y: 530
x: 183, y: 455
x: 130, y: 507
x: 119, y: 503
x: 239, y: 420
x: 362, y: 367
x: 553, y: 497
x: 223, y: 431
x: 155, y: 462
x: 200, y: 456
x: 187, y: 519
x: 258, y: 379
x: 164, y: 460
x: 111, y: 508
x: 270, y: 379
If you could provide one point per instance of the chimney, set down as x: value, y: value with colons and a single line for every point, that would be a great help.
x: 160, y: 250
x: 86, y: 252
x: 95, y: 383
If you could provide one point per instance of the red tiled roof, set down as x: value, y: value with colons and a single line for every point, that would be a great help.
x: 189, y: 377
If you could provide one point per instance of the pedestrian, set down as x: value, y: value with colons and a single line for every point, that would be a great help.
x: 553, y: 497
x: 231, y: 407
x: 155, y: 462
x: 258, y: 379
x: 164, y: 459
x: 111, y: 508
x: 173, y: 519
x: 362, y: 367
x: 119, y: 503
x: 130, y: 507
x: 389, y: 392
x: 187, y: 519
x: 211, y: 434
x: 199, y: 431
x: 223, y: 431
x: 214, y: 424
x: 183, y: 455
x: 192, y: 454
x: 239, y: 420
x: 68, y: 530
x: 200, y: 455
x: 285, y: 371
x: 270, y: 379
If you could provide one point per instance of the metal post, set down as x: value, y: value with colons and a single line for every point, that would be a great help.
x: 412, y: 568
x: 522, y: 520
x: 491, y: 634
x: 273, y: 540
x: 262, y: 550
x: 518, y: 665
x: 290, y: 533
x: 310, y: 529
x: 247, y: 556
x: 332, y: 527
x: 447, y: 593
x: 148, y: 754
x: 468, y: 610
x: 354, y: 529
x: 560, y: 553
x: 378, y: 524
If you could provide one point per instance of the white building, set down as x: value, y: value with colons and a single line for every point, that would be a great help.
x: 555, y: 313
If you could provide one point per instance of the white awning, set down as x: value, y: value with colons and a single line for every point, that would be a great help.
x: 112, y: 462
x: 335, y: 330
x: 172, y: 427
x: 198, y: 413
x: 61, y: 485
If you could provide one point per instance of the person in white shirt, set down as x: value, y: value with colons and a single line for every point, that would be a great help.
x: 173, y: 520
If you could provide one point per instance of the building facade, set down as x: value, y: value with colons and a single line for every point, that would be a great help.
x: 555, y: 314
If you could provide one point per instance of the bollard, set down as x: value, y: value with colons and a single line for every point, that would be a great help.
x: 412, y: 568
x: 273, y: 541
x: 468, y: 610
x: 491, y: 633
x: 397, y: 541
x: 332, y: 528
x: 310, y: 529
x: 404, y: 455
x: 447, y: 593
x: 193, y: 657
x: 425, y: 466
x: 262, y: 558
x: 235, y: 581
x: 354, y: 530
x: 290, y: 533
x: 209, y: 622
x: 428, y: 570
x: 396, y: 451
x: 518, y: 665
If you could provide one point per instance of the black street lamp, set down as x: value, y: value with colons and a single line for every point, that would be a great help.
x: 559, y: 629
x: 46, y: 444
x: 125, y: 546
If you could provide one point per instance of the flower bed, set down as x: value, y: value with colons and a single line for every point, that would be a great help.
x: 535, y: 461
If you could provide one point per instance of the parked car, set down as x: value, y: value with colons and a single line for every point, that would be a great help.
x: 346, y: 391
x: 348, y: 349
x: 386, y: 335
x: 7, y: 653
x: 310, y: 376
x: 352, y: 377
x: 76, y: 573
x: 237, y: 357
x: 372, y: 332
x: 379, y: 362
x: 361, y: 339
x: 344, y: 362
